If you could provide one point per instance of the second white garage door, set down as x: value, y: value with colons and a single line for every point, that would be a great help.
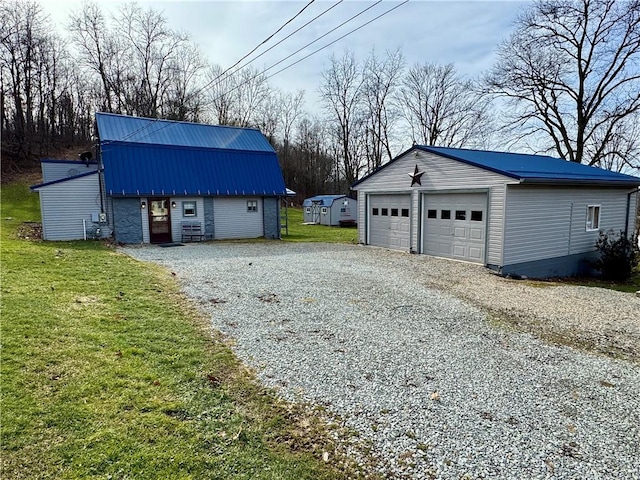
x: 454, y: 226
x: 389, y: 221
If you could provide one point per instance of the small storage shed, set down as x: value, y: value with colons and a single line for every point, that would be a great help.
x: 155, y: 179
x: 330, y: 209
x: 528, y: 215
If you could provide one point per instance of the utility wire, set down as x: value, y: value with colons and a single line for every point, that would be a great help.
x: 268, y: 49
x: 131, y: 134
x: 336, y: 40
x: 318, y: 50
x: 300, y: 49
x: 259, y: 45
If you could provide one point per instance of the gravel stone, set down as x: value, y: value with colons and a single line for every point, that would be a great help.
x: 402, y: 348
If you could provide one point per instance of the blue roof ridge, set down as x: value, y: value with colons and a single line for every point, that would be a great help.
x: 422, y: 147
x: 166, y: 120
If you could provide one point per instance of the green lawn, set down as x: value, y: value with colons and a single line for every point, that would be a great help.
x: 316, y: 233
x: 108, y: 372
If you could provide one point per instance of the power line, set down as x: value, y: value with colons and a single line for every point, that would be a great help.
x: 275, y: 45
x: 144, y: 127
x: 337, y: 39
x: 211, y: 83
x: 300, y: 49
x: 319, y: 49
x: 259, y: 45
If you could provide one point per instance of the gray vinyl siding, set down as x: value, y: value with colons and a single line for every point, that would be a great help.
x: 232, y: 220
x: 64, y: 205
x: 440, y: 174
x: 334, y: 216
x: 52, y: 171
x: 547, y: 222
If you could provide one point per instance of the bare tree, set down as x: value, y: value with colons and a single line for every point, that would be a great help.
x: 571, y: 73
x: 381, y: 79
x: 96, y: 49
x: 35, y: 81
x: 237, y: 98
x: 443, y: 109
x: 341, y: 93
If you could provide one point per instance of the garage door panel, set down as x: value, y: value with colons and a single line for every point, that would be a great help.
x: 388, y: 227
x: 476, y: 233
x: 454, y: 226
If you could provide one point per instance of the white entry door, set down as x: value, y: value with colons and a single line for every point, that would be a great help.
x: 455, y: 226
x: 389, y: 221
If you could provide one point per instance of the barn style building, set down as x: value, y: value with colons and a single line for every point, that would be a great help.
x: 528, y: 215
x: 153, y: 178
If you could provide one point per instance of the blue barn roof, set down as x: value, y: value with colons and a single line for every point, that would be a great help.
x: 324, y: 200
x: 529, y: 168
x: 143, y: 156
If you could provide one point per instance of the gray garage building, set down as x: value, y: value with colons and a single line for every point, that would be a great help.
x: 518, y: 214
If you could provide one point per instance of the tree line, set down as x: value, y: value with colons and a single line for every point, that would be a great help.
x: 566, y: 83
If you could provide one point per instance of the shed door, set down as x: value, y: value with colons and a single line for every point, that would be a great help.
x: 389, y: 221
x: 238, y: 218
x: 455, y: 226
x: 159, y: 220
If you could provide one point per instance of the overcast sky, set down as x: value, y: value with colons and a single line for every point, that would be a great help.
x: 465, y: 33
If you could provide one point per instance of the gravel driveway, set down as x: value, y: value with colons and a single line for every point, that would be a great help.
x: 403, y: 349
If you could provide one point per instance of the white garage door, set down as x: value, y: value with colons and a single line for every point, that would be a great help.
x: 455, y: 226
x: 237, y: 218
x: 389, y: 221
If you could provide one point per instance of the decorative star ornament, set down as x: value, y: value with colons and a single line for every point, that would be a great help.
x: 416, y: 176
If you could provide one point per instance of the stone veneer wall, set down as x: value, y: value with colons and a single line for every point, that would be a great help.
x: 127, y: 220
x: 271, y: 209
x: 209, y: 226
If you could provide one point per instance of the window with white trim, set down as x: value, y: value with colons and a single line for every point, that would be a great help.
x: 252, y: 205
x: 188, y: 209
x: 593, y: 217
x: 323, y: 210
x: 307, y: 210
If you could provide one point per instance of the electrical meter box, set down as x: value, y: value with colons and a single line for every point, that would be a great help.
x: 102, y: 217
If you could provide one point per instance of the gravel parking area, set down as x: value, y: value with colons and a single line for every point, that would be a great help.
x: 404, y: 349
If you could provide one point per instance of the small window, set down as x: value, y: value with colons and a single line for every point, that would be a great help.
x: 394, y: 212
x: 307, y: 210
x: 432, y: 214
x: 593, y: 217
x: 385, y: 212
x: 405, y: 212
x: 323, y: 210
x: 476, y: 215
x: 445, y: 214
x: 461, y: 215
x: 375, y: 211
x: 252, y: 206
x: 188, y: 209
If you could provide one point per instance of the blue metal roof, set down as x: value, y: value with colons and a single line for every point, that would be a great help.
x: 122, y: 128
x: 149, y: 157
x: 164, y: 170
x: 528, y: 168
x: 324, y: 200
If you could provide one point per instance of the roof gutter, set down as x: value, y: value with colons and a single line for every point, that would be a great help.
x: 580, y: 182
